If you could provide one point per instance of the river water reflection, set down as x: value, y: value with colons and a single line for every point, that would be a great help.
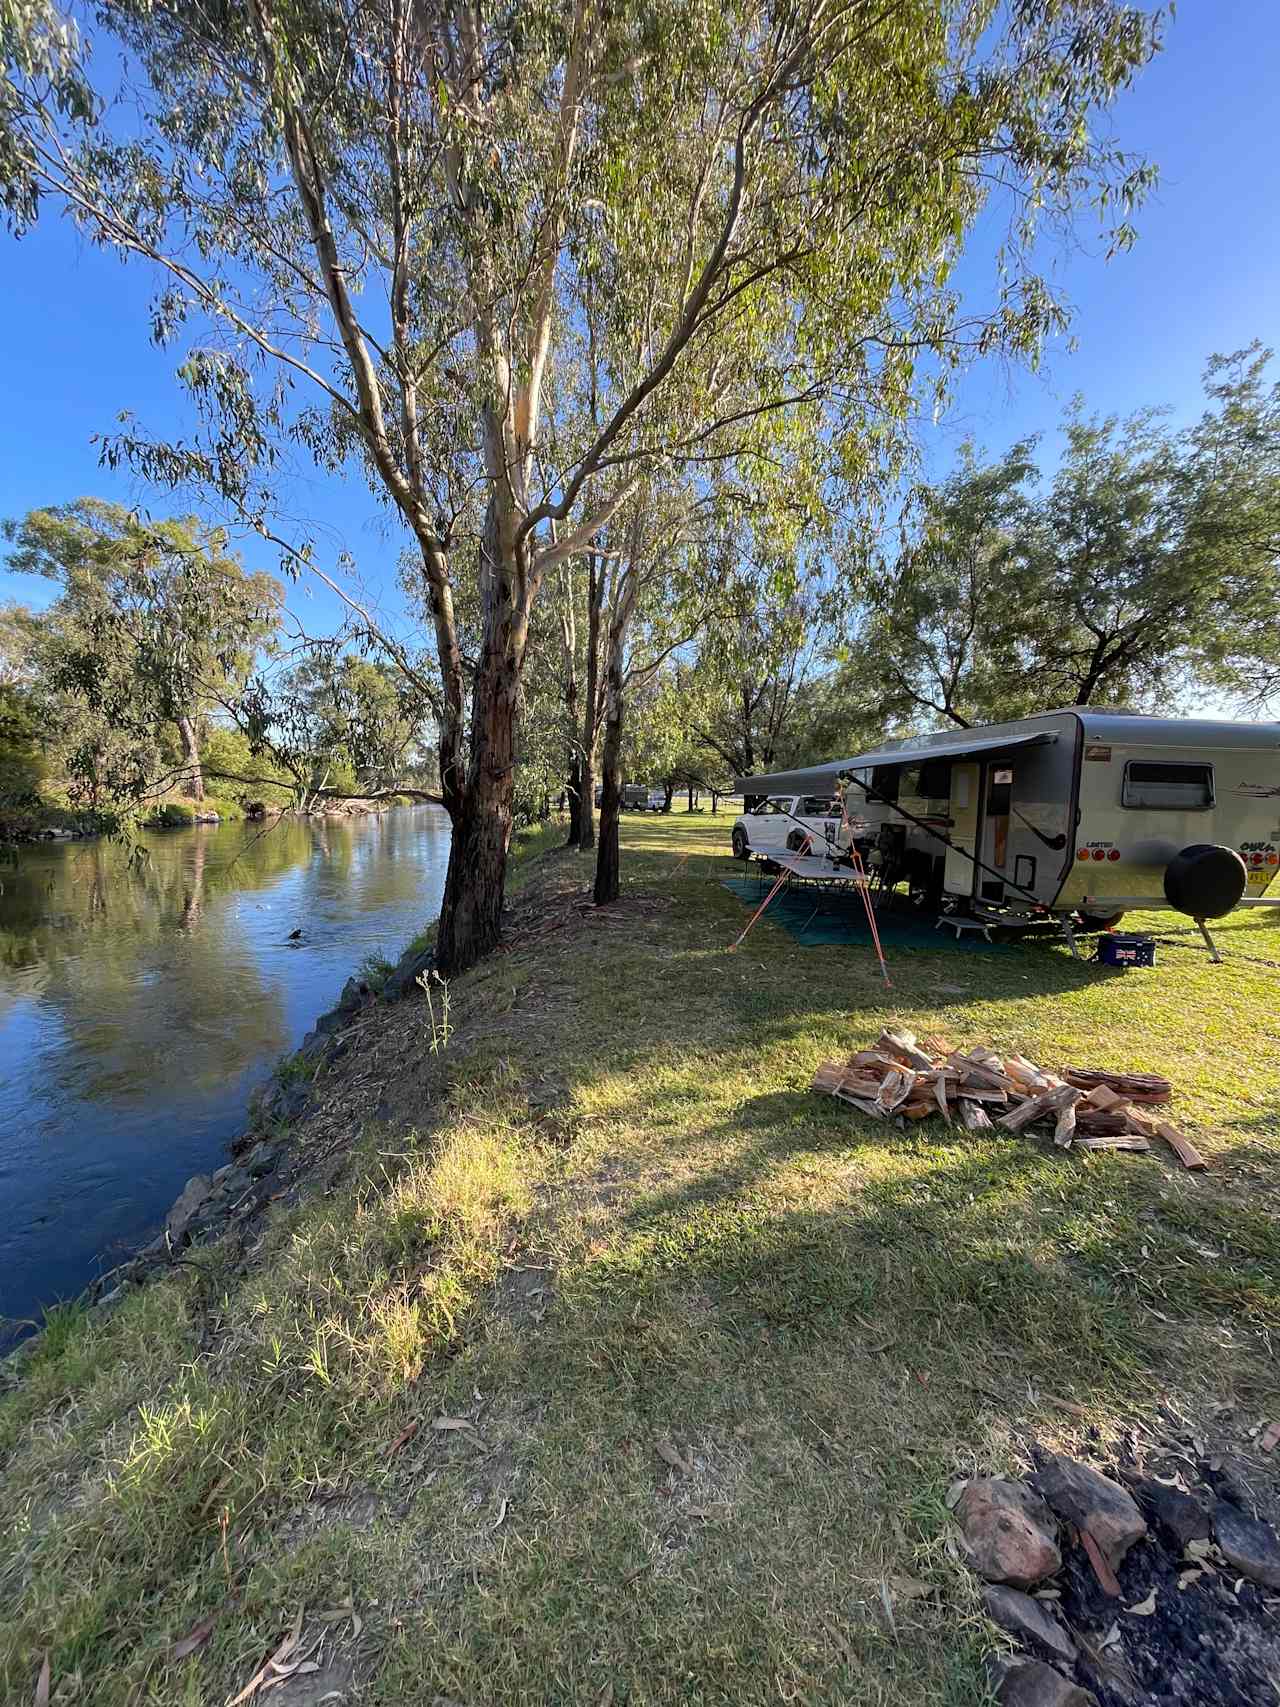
x: 139, y: 1009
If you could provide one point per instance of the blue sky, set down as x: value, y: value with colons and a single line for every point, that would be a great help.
x: 1203, y: 276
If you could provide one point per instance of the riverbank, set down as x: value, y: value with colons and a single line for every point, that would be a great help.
x: 585, y: 1355
x: 141, y: 1004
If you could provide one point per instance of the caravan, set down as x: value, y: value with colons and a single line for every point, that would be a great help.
x: 1075, y: 814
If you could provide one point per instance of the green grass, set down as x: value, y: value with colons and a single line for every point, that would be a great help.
x: 610, y: 1214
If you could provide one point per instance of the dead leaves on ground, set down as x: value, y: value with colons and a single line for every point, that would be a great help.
x: 293, y: 1657
x: 195, y: 1638
x: 671, y: 1454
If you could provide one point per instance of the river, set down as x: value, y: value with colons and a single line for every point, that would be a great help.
x: 140, y: 1007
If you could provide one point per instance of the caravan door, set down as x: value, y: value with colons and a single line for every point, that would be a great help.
x: 958, y: 872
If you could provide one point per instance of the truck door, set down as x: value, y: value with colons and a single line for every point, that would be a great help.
x: 958, y: 872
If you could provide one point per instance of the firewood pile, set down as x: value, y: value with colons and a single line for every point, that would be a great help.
x: 1082, y: 1107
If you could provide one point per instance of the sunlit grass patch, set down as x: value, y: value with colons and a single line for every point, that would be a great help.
x: 611, y: 1223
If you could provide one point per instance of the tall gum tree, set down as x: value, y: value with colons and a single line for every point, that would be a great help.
x: 375, y: 225
x: 157, y: 622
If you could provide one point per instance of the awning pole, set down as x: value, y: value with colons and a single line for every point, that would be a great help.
x: 782, y: 878
x: 863, y: 883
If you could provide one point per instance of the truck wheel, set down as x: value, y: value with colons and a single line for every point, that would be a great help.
x: 741, y: 847
x: 1100, y: 921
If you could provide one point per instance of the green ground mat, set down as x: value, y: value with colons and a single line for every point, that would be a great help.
x: 823, y: 917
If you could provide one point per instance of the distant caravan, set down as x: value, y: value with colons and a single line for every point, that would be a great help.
x: 1077, y: 815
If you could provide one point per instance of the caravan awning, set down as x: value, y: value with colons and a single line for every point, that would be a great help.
x: 820, y: 779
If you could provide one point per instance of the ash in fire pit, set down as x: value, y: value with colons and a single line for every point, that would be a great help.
x: 1168, y: 1591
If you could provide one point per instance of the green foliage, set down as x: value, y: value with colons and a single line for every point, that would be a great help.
x: 174, y: 815
x: 375, y: 969
x: 239, y: 774
x: 22, y: 768
x: 621, y: 248
x: 1144, y: 569
x: 155, y: 624
x: 228, y: 810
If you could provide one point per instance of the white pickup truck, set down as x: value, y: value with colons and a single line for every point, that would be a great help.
x: 782, y: 823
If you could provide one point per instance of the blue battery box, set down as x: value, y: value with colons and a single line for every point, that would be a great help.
x: 1117, y: 949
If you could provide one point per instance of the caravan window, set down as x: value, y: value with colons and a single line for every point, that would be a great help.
x: 1167, y: 787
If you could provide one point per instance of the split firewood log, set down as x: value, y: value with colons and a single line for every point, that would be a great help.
x: 862, y: 1105
x: 903, y: 1047
x: 1101, y: 1122
x: 987, y: 1072
x: 973, y: 1116
x: 833, y: 1075
x: 1113, y: 1141
x: 940, y: 1092
x: 1182, y: 1148
x: 1027, y: 1074
x: 1047, y: 1102
x: 1102, y: 1097
x: 873, y: 1059
x: 1138, y: 1087
x: 895, y: 1088
x: 1065, y: 1126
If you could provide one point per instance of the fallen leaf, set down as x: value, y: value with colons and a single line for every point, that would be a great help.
x: 42, y: 1685
x: 404, y: 1437
x: 1144, y: 1608
x: 1197, y: 1550
x: 888, y: 1605
x: 1068, y: 1405
x: 911, y: 1588
x: 1270, y: 1437
x: 1101, y: 1569
x: 838, y: 1638
x: 502, y: 1514
x: 444, y: 1424
x: 954, y: 1492
x: 275, y: 1662
x: 195, y: 1638
x: 669, y: 1454
x: 1188, y: 1577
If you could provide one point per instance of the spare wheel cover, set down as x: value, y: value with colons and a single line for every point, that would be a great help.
x: 1205, y: 881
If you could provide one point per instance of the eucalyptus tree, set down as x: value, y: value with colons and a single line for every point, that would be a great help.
x: 1232, y: 465
x: 377, y: 224
x: 155, y: 623
x: 663, y: 574
x: 1144, y: 569
x: 754, y: 673
x: 943, y: 638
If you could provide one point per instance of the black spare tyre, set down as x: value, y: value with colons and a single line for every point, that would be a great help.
x: 1205, y: 881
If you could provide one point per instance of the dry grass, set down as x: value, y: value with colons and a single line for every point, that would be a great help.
x: 719, y: 1344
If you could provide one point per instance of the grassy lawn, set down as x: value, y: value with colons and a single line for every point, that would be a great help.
x: 714, y: 1347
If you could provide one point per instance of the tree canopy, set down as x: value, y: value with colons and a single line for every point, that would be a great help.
x: 1142, y: 572
x: 515, y: 266
x: 155, y: 623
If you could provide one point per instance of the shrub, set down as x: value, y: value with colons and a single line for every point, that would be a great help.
x: 173, y: 815
x: 229, y: 810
